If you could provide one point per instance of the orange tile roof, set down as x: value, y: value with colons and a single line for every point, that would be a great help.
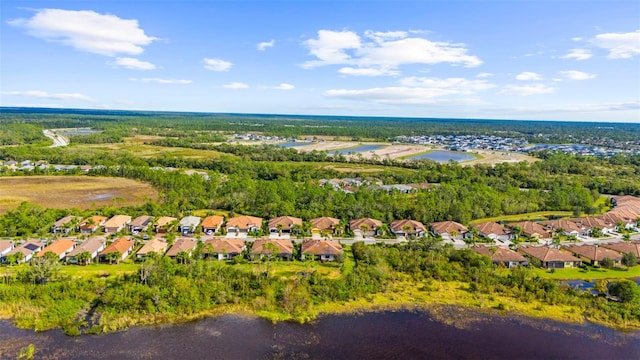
x: 155, y: 245
x: 244, y: 222
x: 488, y: 228
x: 625, y: 247
x: 229, y: 246
x: 499, y: 254
x: 324, y: 223
x: 58, y: 247
x: 546, y: 254
x: 213, y: 221
x: 357, y: 224
x: 593, y: 252
x: 446, y: 227
x: 117, y: 221
x: 164, y: 220
x: 321, y: 247
x: 183, y: 244
x: 284, y: 246
x: 122, y: 245
x: 399, y: 225
x: 287, y: 222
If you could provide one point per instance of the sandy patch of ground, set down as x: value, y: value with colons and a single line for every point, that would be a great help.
x: 329, y: 146
x: 397, y: 151
x: 495, y: 157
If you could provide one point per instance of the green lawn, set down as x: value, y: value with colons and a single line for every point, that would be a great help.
x: 589, y: 274
x: 538, y: 215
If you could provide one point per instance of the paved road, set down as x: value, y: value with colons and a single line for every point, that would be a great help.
x: 58, y: 140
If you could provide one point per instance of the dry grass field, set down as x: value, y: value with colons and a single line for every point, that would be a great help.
x: 82, y: 192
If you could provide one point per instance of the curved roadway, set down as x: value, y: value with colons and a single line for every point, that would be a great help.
x: 58, y: 140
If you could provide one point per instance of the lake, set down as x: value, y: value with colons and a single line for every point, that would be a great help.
x: 453, y: 333
x: 357, y: 149
x: 443, y: 156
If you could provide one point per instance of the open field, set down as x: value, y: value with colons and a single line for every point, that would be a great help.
x: 65, y: 192
x: 539, y: 215
x: 136, y: 145
x: 589, y: 274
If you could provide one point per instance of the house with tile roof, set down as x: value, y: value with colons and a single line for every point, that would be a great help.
x: 155, y: 245
x: 448, y: 228
x: 223, y: 248
x: 531, y: 229
x: 188, y: 224
x: 625, y: 247
x: 323, y: 250
x: 240, y: 226
x: 492, y: 230
x: 502, y: 256
x: 182, y: 245
x: 5, y: 247
x: 116, y: 223
x: 93, y: 246
x: 567, y: 227
x: 163, y: 224
x: 551, y: 257
x: 140, y: 224
x: 282, y: 248
x: 366, y: 227
x: 594, y: 254
x: 92, y: 224
x: 59, y: 248
x: 408, y: 227
x: 28, y: 249
x: 283, y: 226
x: 212, y: 224
x: 65, y: 225
x: 123, y: 246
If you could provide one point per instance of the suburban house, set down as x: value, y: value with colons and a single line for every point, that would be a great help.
x: 323, y: 250
x: 530, y: 229
x: 141, y: 223
x: 240, y: 226
x: 223, y: 249
x: 408, y: 228
x: 365, y: 227
x: 594, y: 254
x: 324, y: 227
x: 156, y: 245
x: 163, y: 224
x: 283, y: 226
x: 60, y: 248
x: 568, y: 227
x: 551, y: 258
x: 492, y: 230
x: 616, y: 217
x: 64, y: 225
x: 93, y: 246
x: 122, y: 245
x: 188, y: 224
x: 502, y: 256
x: 283, y: 248
x: 587, y: 224
x: 625, y: 247
x: 116, y: 223
x: 212, y: 224
x: 92, y: 224
x: 28, y: 249
x: 5, y: 247
x: 182, y: 245
x: 449, y: 230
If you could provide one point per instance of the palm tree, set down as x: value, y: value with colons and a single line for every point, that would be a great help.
x: 83, y: 258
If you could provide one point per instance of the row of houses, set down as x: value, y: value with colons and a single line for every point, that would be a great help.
x: 220, y: 248
x: 570, y: 256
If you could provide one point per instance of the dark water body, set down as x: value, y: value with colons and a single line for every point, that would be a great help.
x: 443, y: 156
x: 385, y: 335
x: 354, y: 150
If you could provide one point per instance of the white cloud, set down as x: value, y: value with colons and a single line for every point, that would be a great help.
x: 368, y: 71
x: 216, y: 64
x: 526, y: 90
x: 236, y: 85
x: 576, y: 75
x: 484, y: 75
x: 88, y: 31
x: 528, y: 76
x: 162, y: 81
x: 578, y: 54
x: 382, y: 51
x: 133, y: 64
x: 284, y: 86
x: 416, y: 90
x: 619, y: 45
x: 45, y: 95
x: 265, y: 45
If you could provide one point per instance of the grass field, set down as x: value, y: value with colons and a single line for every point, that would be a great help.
x: 66, y: 192
x: 539, y: 215
x: 589, y: 274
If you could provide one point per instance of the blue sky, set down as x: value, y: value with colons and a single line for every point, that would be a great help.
x: 548, y: 60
